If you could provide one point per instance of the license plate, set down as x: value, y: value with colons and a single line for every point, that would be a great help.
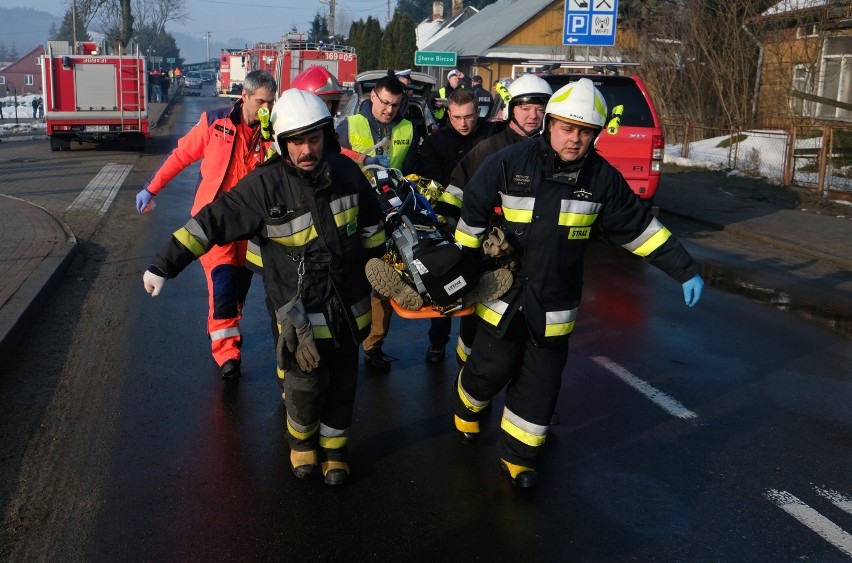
x: 97, y: 127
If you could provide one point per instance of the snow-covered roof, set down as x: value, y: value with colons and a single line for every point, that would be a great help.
x: 794, y: 5
x: 429, y: 31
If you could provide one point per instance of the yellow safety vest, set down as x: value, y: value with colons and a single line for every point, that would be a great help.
x: 439, y: 113
x: 361, y: 139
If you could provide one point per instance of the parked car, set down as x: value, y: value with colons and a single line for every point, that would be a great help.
x: 192, y: 79
x: 637, y: 148
x: 418, y: 111
x: 208, y: 76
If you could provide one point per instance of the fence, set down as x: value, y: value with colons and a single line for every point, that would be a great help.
x: 817, y: 157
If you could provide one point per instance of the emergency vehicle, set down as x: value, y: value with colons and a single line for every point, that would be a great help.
x: 285, y: 60
x: 93, y: 97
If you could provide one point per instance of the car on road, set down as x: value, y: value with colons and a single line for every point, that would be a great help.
x: 192, y: 79
x: 636, y: 148
x: 417, y: 112
x: 208, y: 76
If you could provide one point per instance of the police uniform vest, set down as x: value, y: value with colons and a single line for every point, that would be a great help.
x: 361, y: 138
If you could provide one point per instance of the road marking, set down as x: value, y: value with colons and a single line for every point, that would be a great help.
x: 842, y: 502
x: 103, y: 188
x: 825, y: 528
x: 668, y: 404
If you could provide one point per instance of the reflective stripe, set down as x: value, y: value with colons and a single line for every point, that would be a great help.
x: 469, y: 402
x: 524, y: 431
x: 452, y: 196
x: 253, y: 254
x: 492, y: 311
x: 517, y: 209
x: 319, y: 326
x: 225, y: 333
x: 468, y: 236
x: 345, y: 209
x: 195, y: 230
x: 650, y: 240
x: 297, y: 232
x: 362, y: 311
x: 332, y: 438
x: 191, y: 243
x: 462, y: 350
x: 559, y: 323
x: 300, y: 432
x: 574, y: 213
x: 373, y: 236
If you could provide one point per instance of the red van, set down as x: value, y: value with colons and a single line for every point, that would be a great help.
x: 636, y: 149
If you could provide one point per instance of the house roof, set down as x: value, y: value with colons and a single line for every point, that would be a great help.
x: 430, y: 30
x: 477, y: 35
x: 794, y: 5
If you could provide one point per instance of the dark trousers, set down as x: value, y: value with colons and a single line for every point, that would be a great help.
x: 531, y: 374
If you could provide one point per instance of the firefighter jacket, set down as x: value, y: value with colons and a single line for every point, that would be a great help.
x: 361, y: 131
x: 213, y: 140
x: 547, y: 213
x: 317, y: 232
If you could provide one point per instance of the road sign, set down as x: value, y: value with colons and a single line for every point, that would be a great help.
x: 170, y: 60
x: 434, y: 58
x: 590, y: 22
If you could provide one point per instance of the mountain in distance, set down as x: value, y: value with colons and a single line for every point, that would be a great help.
x: 25, y: 28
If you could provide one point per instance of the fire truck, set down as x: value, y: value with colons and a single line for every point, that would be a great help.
x: 285, y: 60
x: 93, y: 97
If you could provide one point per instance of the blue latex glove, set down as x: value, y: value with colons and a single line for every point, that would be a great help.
x: 143, y: 198
x: 692, y: 290
x: 371, y: 160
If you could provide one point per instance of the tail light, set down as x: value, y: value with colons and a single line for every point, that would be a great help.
x: 658, y: 143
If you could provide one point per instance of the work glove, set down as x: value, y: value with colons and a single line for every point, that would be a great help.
x: 692, y: 290
x: 496, y: 246
x: 143, y: 198
x: 299, y: 337
x: 153, y: 283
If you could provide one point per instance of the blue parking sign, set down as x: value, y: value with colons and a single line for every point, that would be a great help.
x: 590, y: 22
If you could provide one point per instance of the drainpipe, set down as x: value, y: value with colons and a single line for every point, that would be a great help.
x: 757, y: 74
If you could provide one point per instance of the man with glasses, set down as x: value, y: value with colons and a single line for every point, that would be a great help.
x: 378, y: 119
x: 439, y: 154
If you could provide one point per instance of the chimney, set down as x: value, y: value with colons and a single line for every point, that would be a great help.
x: 458, y: 6
x: 437, y: 10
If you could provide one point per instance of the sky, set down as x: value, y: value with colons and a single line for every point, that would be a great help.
x: 253, y: 20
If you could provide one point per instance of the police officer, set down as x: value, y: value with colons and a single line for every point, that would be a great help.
x: 552, y: 190
x: 321, y: 223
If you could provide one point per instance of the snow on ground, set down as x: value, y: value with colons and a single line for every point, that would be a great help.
x: 26, y: 123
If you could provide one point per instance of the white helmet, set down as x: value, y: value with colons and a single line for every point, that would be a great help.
x: 295, y: 113
x: 529, y: 88
x: 578, y: 102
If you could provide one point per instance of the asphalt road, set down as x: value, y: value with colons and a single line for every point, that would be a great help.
x: 719, y: 433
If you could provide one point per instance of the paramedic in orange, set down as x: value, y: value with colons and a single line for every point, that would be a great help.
x: 229, y: 143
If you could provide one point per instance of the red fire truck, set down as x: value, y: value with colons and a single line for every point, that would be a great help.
x: 285, y: 60
x: 92, y: 97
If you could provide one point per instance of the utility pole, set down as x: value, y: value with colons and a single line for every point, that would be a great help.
x: 207, y: 36
x: 331, y: 19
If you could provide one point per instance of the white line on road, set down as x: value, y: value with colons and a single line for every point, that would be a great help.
x: 825, y: 528
x: 669, y: 404
x: 842, y: 502
x: 103, y: 188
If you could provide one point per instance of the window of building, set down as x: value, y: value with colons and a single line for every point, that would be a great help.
x: 28, y: 79
x: 2, y: 80
x: 802, y: 82
x: 38, y: 61
x: 807, y: 30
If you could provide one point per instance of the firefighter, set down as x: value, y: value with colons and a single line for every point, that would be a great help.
x: 380, y: 119
x: 320, y: 221
x: 229, y: 144
x: 552, y: 190
x: 454, y: 81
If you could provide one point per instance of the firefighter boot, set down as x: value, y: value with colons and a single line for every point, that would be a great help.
x: 468, y: 431
x: 521, y: 476
x: 387, y: 281
x: 491, y: 285
x: 303, y: 463
x: 335, y: 472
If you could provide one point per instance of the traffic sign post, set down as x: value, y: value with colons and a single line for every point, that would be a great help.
x: 434, y: 58
x: 590, y: 22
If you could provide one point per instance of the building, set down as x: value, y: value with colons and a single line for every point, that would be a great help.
x: 805, y: 68
x: 437, y: 26
x: 23, y: 75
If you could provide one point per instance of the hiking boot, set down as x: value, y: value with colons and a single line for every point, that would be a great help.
x: 387, y: 281
x: 521, y: 476
x: 231, y: 370
x: 376, y: 360
x: 303, y: 463
x: 435, y: 354
x: 492, y: 284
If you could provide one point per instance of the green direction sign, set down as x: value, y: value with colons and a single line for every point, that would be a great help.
x: 434, y: 58
x: 170, y: 60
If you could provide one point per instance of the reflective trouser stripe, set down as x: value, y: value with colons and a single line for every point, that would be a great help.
x: 522, y: 430
x: 225, y: 333
x: 470, y: 403
x: 332, y: 438
x: 300, y: 432
x: 462, y: 350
